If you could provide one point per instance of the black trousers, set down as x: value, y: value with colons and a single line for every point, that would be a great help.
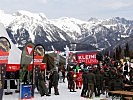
x: 84, y: 90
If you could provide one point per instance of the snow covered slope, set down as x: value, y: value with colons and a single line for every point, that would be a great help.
x: 65, y: 94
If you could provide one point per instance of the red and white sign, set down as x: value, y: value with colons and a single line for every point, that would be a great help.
x: 29, y: 49
x: 12, y: 67
x: 16, y: 67
x: 38, y: 60
x: 88, y: 58
x: 42, y: 66
x: 3, y: 57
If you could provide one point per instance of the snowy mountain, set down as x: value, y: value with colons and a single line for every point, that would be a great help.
x: 24, y: 26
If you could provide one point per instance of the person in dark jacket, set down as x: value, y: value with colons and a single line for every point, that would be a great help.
x: 85, y: 84
x: 131, y: 75
x: 50, y: 81
x: 112, y: 77
x: 41, y: 84
x: 63, y: 74
x: 125, y: 69
x: 55, y: 78
x: 91, y: 82
x: 103, y: 78
x: 97, y: 87
x: 25, y: 78
x: 70, y: 78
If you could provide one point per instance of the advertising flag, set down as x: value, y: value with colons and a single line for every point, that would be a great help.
x: 5, y: 47
x: 26, y: 59
x: 39, y: 52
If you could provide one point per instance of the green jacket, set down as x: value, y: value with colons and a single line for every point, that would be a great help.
x: 91, y: 78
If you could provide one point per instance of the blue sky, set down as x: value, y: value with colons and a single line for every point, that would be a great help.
x: 81, y: 9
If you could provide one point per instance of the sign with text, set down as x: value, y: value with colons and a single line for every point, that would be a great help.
x: 88, y: 58
x: 38, y: 60
x: 42, y: 66
x: 12, y: 67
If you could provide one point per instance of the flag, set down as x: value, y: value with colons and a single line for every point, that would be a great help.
x: 5, y: 47
x: 38, y: 55
x: 26, y: 59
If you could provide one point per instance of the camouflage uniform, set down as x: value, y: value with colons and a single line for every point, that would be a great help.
x: 97, y: 86
x: 91, y: 83
x: 42, y: 86
x: 55, y: 82
x: 85, y: 84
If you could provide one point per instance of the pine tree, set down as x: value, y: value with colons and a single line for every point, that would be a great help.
x: 126, y: 51
x: 120, y: 52
x: 117, y: 53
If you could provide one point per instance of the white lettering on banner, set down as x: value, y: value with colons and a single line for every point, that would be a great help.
x: 87, y: 57
x: 88, y: 60
x: 3, y: 57
x: 37, y: 60
x: 13, y: 67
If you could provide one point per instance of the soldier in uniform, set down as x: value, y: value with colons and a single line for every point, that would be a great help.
x: 55, y: 78
x: 50, y: 81
x: 98, y: 78
x: 41, y: 84
x: 91, y: 82
x: 85, y: 83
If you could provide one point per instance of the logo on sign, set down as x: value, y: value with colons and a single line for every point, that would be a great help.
x: 29, y: 49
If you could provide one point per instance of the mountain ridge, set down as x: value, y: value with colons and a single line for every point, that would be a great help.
x: 24, y: 26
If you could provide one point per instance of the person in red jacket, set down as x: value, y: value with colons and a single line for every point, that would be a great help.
x: 79, y: 79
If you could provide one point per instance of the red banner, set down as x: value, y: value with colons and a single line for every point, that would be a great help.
x: 88, y: 58
x: 42, y: 66
x: 3, y: 57
x: 12, y: 67
x: 16, y: 67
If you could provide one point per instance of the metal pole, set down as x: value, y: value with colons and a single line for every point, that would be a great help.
x: 67, y: 55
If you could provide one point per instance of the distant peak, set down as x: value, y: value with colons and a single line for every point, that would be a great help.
x: 64, y: 18
x: 30, y: 14
x: 93, y: 19
x: 43, y: 15
x: 23, y: 12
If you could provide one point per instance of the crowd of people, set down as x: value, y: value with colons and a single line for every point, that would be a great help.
x: 92, y: 79
x: 98, y: 79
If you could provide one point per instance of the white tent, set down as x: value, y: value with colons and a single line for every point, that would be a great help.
x: 15, y: 53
